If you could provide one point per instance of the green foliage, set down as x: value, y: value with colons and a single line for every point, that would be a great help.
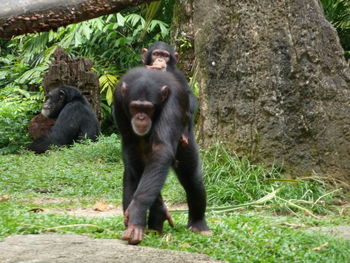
x: 11, y: 69
x: 241, y: 237
x: 249, y: 237
x: 108, y: 82
x: 112, y: 42
x: 62, y: 171
x: 17, y: 107
x: 75, y: 178
x: 338, y: 13
x: 233, y: 181
x: 194, y: 85
x: 229, y: 181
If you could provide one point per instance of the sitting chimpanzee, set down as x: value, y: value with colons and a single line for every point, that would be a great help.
x: 75, y: 119
x: 152, y: 113
x: 163, y: 57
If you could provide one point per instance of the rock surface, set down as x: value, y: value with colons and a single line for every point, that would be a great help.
x: 56, y: 248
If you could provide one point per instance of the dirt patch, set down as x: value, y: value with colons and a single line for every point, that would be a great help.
x: 87, y: 212
x: 338, y: 231
x: 57, y: 248
x: 50, y: 200
x: 98, y: 210
x: 175, y: 207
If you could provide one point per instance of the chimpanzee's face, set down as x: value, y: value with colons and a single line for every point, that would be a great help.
x: 142, y: 109
x: 141, y: 116
x: 160, y: 55
x: 54, y: 103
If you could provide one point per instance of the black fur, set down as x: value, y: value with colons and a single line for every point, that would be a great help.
x: 147, y: 159
x: 75, y: 119
x: 171, y: 67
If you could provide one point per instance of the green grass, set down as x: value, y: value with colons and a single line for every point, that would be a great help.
x: 272, y: 230
x: 80, y: 171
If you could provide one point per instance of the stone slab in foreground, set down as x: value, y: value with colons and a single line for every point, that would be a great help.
x: 56, y: 248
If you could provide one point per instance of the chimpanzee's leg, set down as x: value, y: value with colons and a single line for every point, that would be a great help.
x: 158, y: 213
x: 187, y: 168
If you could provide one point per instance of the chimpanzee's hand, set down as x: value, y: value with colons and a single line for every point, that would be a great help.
x: 134, y: 234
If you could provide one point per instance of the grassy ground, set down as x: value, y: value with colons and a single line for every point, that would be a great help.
x: 255, y: 215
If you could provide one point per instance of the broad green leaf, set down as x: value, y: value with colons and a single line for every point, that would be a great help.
x: 109, y: 96
x: 121, y: 19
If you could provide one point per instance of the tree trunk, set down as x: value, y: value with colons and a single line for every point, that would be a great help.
x: 30, y: 16
x: 274, y: 84
x: 75, y: 72
x: 182, y: 35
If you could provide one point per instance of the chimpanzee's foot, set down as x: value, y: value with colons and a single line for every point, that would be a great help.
x: 156, y: 223
x: 200, y: 227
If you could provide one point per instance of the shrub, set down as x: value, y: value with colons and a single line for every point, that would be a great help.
x: 17, y: 107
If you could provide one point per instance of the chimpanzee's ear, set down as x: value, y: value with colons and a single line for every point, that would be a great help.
x: 177, y: 56
x: 143, y: 55
x: 123, y: 89
x: 62, y: 94
x: 164, y: 93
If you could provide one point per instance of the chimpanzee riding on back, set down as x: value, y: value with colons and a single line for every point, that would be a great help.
x: 162, y: 56
x: 75, y: 119
x: 152, y: 111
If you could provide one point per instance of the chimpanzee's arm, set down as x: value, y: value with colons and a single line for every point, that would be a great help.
x: 147, y: 191
x: 166, y: 135
x: 150, y: 185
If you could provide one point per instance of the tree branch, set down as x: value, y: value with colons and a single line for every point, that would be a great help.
x: 31, y: 16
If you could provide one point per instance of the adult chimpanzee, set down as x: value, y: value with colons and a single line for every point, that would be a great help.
x: 152, y: 112
x: 75, y: 119
x: 163, y: 57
